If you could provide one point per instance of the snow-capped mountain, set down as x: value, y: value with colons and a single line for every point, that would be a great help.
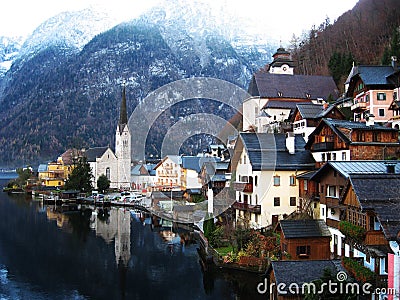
x: 65, y: 85
x: 9, y: 50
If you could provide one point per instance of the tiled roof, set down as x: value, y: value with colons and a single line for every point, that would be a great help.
x: 304, y: 228
x: 268, y: 151
x: 267, y: 85
x: 298, y: 272
x: 283, y: 104
x: 373, y: 75
x: 93, y: 153
x: 346, y: 168
x: 310, y: 110
x: 380, y: 193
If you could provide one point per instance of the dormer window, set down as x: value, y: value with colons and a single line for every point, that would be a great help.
x: 280, y: 94
x: 308, y: 95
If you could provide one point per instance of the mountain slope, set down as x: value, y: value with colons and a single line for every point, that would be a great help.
x: 65, y: 94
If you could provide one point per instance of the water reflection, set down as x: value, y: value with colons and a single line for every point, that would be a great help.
x: 82, y: 252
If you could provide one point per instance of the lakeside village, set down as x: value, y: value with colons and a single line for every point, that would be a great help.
x: 308, y: 190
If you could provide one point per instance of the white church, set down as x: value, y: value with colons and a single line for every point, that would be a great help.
x: 116, y: 166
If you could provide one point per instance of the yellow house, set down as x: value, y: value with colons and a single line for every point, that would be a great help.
x: 55, y: 173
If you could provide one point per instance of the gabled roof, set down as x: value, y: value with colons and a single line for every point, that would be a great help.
x: 93, y: 153
x: 268, y: 151
x: 298, y: 272
x: 346, y: 168
x: 176, y: 159
x: 373, y: 75
x: 315, y: 111
x: 196, y: 162
x: 267, y: 85
x: 337, y: 126
x: 381, y: 194
x: 304, y: 228
x: 286, y: 104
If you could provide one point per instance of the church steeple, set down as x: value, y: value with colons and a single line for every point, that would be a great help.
x: 123, y: 114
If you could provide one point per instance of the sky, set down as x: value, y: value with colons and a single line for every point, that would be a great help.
x: 21, y: 17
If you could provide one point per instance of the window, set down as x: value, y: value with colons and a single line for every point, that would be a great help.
x: 394, y: 95
x: 277, y: 201
x: 343, y: 155
x: 376, y: 137
x: 360, y: 136
x: 333, y: 156
x: 381, y: 112
x: 323, y: 157
x: 303, y: 250
x: 292, y: 180
x: 292, y: 201
x: 367, y: 98
x: 381, y: 96
x: 108, y: 173
x: 331, y: 191
x: 305, y: 185
x: 244, y: 159
x: 256, y: 180
x: 277, y: 180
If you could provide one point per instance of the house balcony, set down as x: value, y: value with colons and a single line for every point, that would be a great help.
x: 324, y: 146
x: 359, y: 107
x: 243, y: 187
x: 247, y: 207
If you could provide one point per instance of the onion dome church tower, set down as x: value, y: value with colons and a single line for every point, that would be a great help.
x: 123, y: 146
x: 282, y: 63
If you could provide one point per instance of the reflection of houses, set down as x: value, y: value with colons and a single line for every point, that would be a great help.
x: 304, y: 239
x: 276, y: 92
x: 265, y: 181
x: 306, y: 117
x: 345, y: 140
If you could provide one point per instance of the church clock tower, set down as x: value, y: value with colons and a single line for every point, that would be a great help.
x: 123, y: 146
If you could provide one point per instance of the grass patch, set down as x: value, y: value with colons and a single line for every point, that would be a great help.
x: 224, y: 250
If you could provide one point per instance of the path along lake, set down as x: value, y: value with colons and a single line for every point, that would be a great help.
x: 49, y: 252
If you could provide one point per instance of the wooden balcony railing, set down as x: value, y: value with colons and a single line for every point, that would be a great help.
x: 243, y: 187
x: 247, y: 207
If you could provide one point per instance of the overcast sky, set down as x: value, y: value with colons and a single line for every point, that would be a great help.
x: 21, y: 17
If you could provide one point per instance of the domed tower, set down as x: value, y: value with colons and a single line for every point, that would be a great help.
x: 123, y: 146
x: 282, y: 63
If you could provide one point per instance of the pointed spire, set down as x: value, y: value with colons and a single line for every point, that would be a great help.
x: 123, y: 114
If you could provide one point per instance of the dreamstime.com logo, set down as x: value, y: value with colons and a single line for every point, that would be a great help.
x: 150, y: 109
x: 341, y: 287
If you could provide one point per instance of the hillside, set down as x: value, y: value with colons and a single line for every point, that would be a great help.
x: 67, y: 92
x: 359, y: 35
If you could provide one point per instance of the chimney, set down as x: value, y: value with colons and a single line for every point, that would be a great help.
x: 370, y: 120
x: 394, y: 62
x: 325, y: 106
x: 290, y: 142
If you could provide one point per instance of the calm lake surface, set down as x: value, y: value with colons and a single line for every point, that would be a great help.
x: 47, y: 252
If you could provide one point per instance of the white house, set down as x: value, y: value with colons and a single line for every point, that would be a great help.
x: 265, y: 166
x: 168, y: 173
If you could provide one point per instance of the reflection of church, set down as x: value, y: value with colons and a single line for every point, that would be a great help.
x: 118, y: 227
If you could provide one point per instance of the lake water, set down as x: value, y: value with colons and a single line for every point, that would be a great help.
x: 46, y: 253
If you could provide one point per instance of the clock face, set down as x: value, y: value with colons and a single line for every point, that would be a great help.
x: 284, y: 67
